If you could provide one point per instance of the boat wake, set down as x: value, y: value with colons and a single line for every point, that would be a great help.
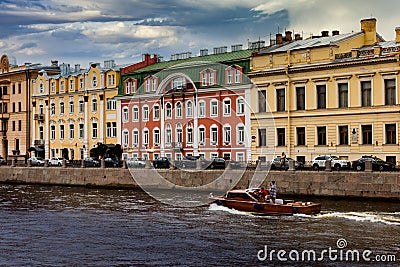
x: 215, y: 207
x: 386, y: 218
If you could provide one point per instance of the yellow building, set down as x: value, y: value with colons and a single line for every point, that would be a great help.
x: 327, y: 95
x: 75, y: 111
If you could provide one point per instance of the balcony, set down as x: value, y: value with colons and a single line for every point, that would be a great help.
x: 39, y: 117
x: 39, y: 142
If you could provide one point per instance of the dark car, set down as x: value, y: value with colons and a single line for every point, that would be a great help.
x: 276, y: 164
x: 161, y: 162
x: 377, y: 164
x: 215, y: 163
x: 91, y: 162
x: 3, y: 161
x: 187, y: 162
x: 109, y: 162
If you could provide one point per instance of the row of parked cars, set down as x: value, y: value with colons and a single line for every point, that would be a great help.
x: 89, y: 162
x: 319, y: 162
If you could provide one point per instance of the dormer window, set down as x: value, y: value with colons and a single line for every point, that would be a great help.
x: 94, y: 81
x: 151, y: 83
x: 41, y: 88
x: 233, y: 74
x: 207, y: 77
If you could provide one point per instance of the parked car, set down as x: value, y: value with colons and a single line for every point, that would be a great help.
x: 57, y: 161
x: 215, y: 163
x: 110, y: 162
x: 161, y: 162
x: 238, y: 164
x: 36, y: 161
x: 336, y: 163
x: 3, y: 161
x: 91, y: 162
x: 136, y: 162
x: 187, y: 162
x: 276, y: 163
x: 377, y: 164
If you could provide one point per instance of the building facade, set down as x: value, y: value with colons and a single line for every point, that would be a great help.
x: 15, y: 106
x: 75, y: 111
x: 331, y: 94
x: 188, y: 106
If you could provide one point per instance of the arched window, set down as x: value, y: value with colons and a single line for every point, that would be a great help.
x: 189, y: 109
x: 178, y: 111
x: 168, y: 111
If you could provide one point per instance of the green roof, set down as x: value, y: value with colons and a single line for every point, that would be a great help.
x: 220, y: 58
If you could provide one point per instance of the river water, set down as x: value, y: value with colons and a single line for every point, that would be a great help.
x: 74, y: 226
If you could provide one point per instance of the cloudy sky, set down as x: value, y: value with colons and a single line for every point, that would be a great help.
x: 83, y: 31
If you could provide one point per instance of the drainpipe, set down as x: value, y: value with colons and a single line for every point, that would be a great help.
x: 288, y: 99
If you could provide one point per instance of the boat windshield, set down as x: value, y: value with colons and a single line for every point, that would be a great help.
x: 238, y: 195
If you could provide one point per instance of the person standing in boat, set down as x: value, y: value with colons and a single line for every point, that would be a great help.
x: 272, y: 191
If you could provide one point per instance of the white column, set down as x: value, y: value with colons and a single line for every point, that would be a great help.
x: 195, y: 127
x: 86, y: 129
x: 162, y: 128
x: 46, y: 130
x: 33, y: 125
x: 102, y: 119
x: 119, y: 125
x: 247, y: 122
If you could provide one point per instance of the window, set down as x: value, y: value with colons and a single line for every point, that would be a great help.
x: 212, y: 78
x: 71, y: 131
x: 19, y: 88
x: 111, y: 79
x: 178, y: 83
x: 227, y: 107
x: 114, y: 129
x: 202, y: 135
x: 168, y: 135
x: 94, y: 130
x: 321, y: 133
x: 202, y: 109
x: 230, y: 76
x: 366, y: 134
x: 189, y: 135
x: 13, y: 107
x: 237, y: 76
x: 71, y: 85
x: 281, y: 136
x: 135, y: 137
x: 145, y: 137
x: 125, y: 114
x: 52, y: 108
x: 148, y: 85
x: 127, y: 87
x: 62, y: 132
x: 204, y: 79
x: 52, y: 132
x: 41, y: 88
x: 301, y: 136
x: 366, y: 93
x: 321, y: 96
x: 262, y: 101
x: 13, y: 125
x: 227, y: 135
x: 41, y: 132
x: 262, y: 137
x: 214, y: 135
x: 81, y: 106
x: 214, y: 108
x: 390, y: 91
x: 135, y: 113
x: 19, y: 125
x: 240, y: 156
x: 280, y: 99
x: 145, y: 113
x: 81, y: 130
x: 179, y: 135
x: 41, y: 109
x: 390, y: 130
x: 109, y: 129
x: 343, y: 135
x: 189, y: 109
x: 71, y: 105
x: 111, y: 104
x: 61, y: 107
x: 81, y: 83
x: 153, y: 85
x: 156, y: 137
x: 94, y: 105
x: 125, y: 138
x: 53, y: 87
x: 168, y: 111
x: 178, y: 112
x: 94, y: 81
x: 240, y: 106
x: 300, y: 98
x: 62, y: 86
x: 156, y: 112
x: 240, y: 135
x: 343, y: 95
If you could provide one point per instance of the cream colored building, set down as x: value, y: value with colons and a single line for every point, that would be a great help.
x: 332, y: 94
x: 75, y: 111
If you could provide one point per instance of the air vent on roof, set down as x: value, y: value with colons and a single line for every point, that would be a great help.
x: 256, y: 45
x: 220, y: 50
x: 237, y: 47
x: 203, y: 52
x: 108, y: 64
x: 181, y: 56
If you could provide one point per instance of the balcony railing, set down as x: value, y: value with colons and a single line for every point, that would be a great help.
x: 38, y: 142
x: 39, y: 117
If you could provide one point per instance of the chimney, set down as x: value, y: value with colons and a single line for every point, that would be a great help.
x: 297, y: 37
x: 54, y: 63
x: 368, y: 26
x: 77, y: 67
x: 397, y: 29
x: 146, y: 58
x: 325, y: 33
x: 279, y: 39
x: 288, y: 36
x: 334, y: 33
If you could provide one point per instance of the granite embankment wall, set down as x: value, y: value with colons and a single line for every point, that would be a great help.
x: 342, y: 184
